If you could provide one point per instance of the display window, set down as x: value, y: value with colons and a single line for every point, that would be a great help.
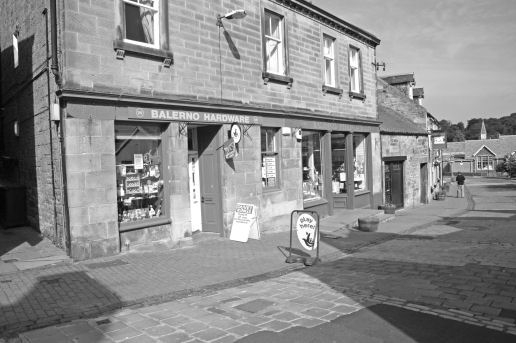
x: 360, y: 162
x: 312, y: 166
x: 338, y: 163
x: 270, y: 157
x: 139, y: 172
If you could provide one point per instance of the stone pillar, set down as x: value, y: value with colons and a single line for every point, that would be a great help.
x: 90, y: 163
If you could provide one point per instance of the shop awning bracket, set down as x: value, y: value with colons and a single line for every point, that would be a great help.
x: 245, y: 129
x: 183, y: 128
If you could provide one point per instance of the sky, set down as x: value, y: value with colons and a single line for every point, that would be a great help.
x: 462, y: 52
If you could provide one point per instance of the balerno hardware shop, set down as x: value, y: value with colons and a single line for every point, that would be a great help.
x: 141, y: 174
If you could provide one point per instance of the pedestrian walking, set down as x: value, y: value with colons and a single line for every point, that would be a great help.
x: 460, y: 184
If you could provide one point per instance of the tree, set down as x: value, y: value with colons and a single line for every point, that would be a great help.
x: 508, y: 165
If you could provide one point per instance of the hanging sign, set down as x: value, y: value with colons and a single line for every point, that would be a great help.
x: 306, y: 226
x: 439, y: 141
x: 229, y: 149
x: 245, y: 223
x: 236, y: 132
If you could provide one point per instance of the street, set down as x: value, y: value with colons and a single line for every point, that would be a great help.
x: 453, y: 280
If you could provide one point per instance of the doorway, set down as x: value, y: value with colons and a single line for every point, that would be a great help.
x: 204, y: 178
x: 423, y: 170
x: 394, y: 183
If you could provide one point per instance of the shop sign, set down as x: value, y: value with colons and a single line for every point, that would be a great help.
x: 306, y: 226
x: 229, y: 149
x: 245, y: 223
x: 188, y: 116
x: 439, y: 141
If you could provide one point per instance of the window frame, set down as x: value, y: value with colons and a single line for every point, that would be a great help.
x: 160, y: 50
x: 267, y: 74
x: 268, y: 153
x: 358, y: 72
x: 156, y: 27
x: 329, y: 57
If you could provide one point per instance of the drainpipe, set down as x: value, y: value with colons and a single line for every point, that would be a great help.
x: 51, y: 136
x: 62, y: 116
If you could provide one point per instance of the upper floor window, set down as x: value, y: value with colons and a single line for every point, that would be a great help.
x: 275, y: 55
x: 355, y: 71
x: 141, y: 22
x: 329, y: 61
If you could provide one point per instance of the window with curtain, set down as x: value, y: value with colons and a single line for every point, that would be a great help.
x: 338, y: 163
x: 355, y: 73
x: 329, y: 61
x: 360, y: 162
x: 274, y: 44
x: 312, y: 165
x: 141, y: 19
x: 270, y: 157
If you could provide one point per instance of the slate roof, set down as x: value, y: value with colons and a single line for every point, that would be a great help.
x: 397, y: 79
x: 500, y: 146
x: 395, y: 123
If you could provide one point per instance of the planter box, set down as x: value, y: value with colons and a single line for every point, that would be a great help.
x: 369, y: 224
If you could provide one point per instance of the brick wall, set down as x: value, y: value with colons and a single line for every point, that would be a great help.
x: 416, y: 151
x: 25, y: 99
x: 90, y: 61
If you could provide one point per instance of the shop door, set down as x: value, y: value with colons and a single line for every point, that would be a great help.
x: 209, y: 172
x: 424, y: 182
x: 394, y: 183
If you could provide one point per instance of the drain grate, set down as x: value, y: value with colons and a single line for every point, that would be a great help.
x: 107, y: 264
x: 6, y: 281
x: 51, y: 281
x: 103, y: 321
x: 10, y: 260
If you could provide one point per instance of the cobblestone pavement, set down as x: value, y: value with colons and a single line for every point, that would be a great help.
x: 461, y: 269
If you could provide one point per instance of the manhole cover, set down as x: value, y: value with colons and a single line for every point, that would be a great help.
x: 254, y: 306
x: 107, y: 264
x: 103, y: 321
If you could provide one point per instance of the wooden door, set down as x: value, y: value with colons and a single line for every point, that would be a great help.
x: 394, y: 183
x: 209, y: 172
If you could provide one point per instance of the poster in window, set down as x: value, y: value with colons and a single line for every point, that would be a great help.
x: 138, y: 161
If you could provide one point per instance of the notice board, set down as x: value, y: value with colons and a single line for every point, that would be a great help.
x: 245, y: 223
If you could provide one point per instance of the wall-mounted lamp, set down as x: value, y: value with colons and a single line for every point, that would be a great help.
x: 236, y: 14
x: 16, y: 128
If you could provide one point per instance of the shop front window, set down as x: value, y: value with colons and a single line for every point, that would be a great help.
x: 360, y: 162
x: 312, y: 168
x: 139, y: 171
x: 270, y: 160
x: 338, y: 163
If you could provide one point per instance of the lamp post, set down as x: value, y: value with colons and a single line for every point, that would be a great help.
x: 236, y: 14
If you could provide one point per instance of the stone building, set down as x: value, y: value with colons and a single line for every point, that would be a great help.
x: 405, y: 146
x: 150, y: 120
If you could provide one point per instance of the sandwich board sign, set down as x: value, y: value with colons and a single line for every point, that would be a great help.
x: 306, y: 225
x: 245, y: 223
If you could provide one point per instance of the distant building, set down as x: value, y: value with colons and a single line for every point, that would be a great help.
x: 406, y: 158
x: 478, y: 156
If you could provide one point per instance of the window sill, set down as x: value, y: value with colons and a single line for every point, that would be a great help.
x: 122, y: 47
x: 332, y: 90
x: 270, y: 190
x: 123, y: 227
x: 361, y: 192
x: 359, y: 96
x: 267, y: 77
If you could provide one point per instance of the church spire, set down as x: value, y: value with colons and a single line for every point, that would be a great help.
x: 483, y: 131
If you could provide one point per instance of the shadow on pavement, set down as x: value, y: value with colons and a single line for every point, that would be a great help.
x: 385, y: 323
x: 51, y: 300
x: 13, y: 238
